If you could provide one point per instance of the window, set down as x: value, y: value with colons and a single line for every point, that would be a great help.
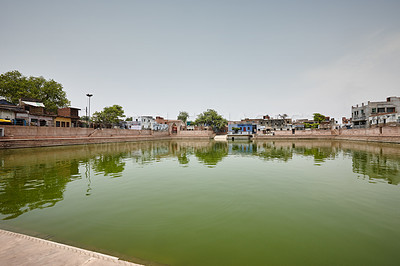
x: 373, y: 110
x: 67, y: 124
x: 390, y: 109
x: 62, y: 124
x: 381, y: 110
x: 57, y: 123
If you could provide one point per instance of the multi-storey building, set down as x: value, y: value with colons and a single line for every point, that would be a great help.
x: 37, y: 113
x: 143, y: 122
x: 67, y: 117
x: 376, y: 113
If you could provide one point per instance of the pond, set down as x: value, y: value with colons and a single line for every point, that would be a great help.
x: 210, y: 203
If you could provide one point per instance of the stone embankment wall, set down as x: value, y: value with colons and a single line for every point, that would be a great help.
x: 194, y: 134
x: 19, y: 132
x: 316, y: 132
x: 31, y: 136
x: 382, y: 134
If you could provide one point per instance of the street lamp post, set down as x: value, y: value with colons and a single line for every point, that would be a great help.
x: 89, y: 95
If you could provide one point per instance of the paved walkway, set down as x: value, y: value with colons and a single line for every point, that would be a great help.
x: 18, y: 249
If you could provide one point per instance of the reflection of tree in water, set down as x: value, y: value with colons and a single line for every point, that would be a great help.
x: 268, y: 151
x: 377, y: 166
x: 25, y: 188
x: 320, y: 154
x: 212, y: 154
x: 183, y: 156
x: 110, y: 164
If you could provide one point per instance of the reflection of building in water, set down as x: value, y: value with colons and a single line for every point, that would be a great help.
x: 149, y: 152
x: 30, y: 187
x: 238, y: 147
x: 377, y: 166
x: 284, y: 150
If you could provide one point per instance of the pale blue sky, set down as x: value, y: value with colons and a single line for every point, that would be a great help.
x: 242, y: 58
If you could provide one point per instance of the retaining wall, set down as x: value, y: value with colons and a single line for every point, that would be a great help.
x: 384, y: 134
x: 316, y: 132
x: 32, y: 136
x: 194, y: 134
x: 69, y: 132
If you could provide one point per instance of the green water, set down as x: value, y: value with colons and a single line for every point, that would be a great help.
x: 211, y: 203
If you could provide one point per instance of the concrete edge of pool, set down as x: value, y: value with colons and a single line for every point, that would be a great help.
x: 19, y: 249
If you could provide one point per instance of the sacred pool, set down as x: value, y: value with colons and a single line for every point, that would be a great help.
x: 210, y: 203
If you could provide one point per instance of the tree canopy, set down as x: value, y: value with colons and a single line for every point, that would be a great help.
x: 319, y: 118
x: 110, y: 116
x: 183, y: 116
x: 13, y: 86
x: 211, y: 118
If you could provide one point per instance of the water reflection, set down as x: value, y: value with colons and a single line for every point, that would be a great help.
x: 211, y: 155
x: 110, y: 164
x: 30, y: 187
x: 376, y: 167
x: 37, y: 178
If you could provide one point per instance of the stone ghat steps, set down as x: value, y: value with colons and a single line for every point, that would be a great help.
x: 18, y: 249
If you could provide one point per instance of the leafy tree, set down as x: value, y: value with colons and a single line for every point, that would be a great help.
x: 183, y: 116
x: 319, y: 118
x: 211, y: 118
x: 13, y: 86
x: 129, y: 119
x: 109, y: 116
x: 84, y: 118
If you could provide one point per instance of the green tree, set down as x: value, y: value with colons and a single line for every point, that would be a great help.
x: 13, y: 86
x: 319, y: 118
x: 129, y: 119
x: 183, y: 116
x: 84, y: 118
x: 110, y: 116
x: 211, y: 118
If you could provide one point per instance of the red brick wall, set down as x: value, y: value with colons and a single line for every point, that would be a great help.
x: 195, y: 134
x: 56, y: 132
x: 64, y: 112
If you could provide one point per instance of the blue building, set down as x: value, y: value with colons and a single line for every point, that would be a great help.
x: 243, y: 129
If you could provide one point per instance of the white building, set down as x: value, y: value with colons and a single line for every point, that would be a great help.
x: 160, y: 127
x: 144, y: 122
x: 376, y: 113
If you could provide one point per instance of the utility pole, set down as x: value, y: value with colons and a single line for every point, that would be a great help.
x: 89, y: 95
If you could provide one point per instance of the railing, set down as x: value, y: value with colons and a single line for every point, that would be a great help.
x: 363, y: 117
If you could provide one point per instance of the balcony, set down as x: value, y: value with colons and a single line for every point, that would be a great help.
x: 359, y: 118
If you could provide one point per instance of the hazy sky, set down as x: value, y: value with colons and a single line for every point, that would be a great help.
x: 242, y: 58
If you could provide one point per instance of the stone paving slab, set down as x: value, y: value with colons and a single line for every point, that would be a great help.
x: 18, y: 249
